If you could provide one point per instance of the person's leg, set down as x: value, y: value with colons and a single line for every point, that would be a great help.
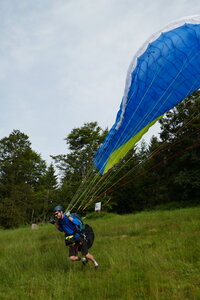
x: 88, y: 256
x: 73, y: 253
x: 91, y: 257
x: 74, y: 258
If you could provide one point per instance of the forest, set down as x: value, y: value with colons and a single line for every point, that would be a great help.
x: 162, y: 174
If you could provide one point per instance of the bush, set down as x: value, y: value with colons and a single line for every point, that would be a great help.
x: 96, y: 215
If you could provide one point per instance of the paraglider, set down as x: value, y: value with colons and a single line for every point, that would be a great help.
x: 164, y: 71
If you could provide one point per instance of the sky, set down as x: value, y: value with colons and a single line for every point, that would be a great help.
x: 63, y: 63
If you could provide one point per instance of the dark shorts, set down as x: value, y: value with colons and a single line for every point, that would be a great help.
x: 80, y: 245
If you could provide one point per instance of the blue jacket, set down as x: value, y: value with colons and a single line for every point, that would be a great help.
x: 69, y: 227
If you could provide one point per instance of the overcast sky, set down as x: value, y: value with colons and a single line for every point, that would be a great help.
x: 64, y: 62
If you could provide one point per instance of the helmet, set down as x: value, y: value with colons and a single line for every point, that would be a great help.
x: 58, y: 207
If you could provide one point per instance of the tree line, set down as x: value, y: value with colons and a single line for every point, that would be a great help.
x: 166, y: 172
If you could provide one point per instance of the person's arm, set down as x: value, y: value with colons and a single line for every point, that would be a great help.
x: 75, y: 221
x: 58, y: 227
x: 54, y: 222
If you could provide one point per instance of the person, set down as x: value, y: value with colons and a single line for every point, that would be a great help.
x: 69, y: 224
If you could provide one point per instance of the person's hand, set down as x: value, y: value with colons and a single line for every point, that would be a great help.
x: 68, y: 214
x: 52, y: 221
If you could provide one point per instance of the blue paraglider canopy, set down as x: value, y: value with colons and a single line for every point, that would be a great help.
x: 164, y: 71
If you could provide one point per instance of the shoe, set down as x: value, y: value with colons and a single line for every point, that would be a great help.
x: 96, y: 265
x: 85, y: 262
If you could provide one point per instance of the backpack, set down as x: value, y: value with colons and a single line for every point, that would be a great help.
x: 82, y: 225
x: 88, y: 234
x: 86, y: 231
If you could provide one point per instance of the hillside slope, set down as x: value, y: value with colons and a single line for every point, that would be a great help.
x: 149, y: 255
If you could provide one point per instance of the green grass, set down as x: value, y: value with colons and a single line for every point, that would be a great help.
x: 149, y: 255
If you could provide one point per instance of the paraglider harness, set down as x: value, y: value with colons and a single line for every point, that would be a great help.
x: 84, y: 230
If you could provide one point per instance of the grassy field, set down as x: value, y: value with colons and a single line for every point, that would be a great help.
x: 149, y: 255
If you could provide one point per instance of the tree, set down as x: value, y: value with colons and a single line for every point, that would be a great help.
x: 82, y: 143
x: 21, y: 170
x: 46, y: 196
x: 181, y: 135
